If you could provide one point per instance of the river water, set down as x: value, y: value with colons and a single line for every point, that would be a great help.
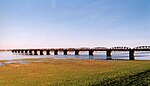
x: 12, y: 58
x: 142, y: 55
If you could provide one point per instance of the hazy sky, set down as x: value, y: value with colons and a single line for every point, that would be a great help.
x: 74, y: 23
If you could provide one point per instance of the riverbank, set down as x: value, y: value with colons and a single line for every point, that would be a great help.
x: 75, y: 72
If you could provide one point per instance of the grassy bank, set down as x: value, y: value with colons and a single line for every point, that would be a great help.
x: 73, y: 72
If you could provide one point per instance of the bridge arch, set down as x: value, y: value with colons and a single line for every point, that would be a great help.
x: 120, y: 52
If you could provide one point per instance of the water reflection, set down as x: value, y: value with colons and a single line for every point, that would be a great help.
x: 83, y: 55
x: 18, y: 58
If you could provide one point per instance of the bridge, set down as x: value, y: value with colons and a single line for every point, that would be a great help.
x: 78, y: 50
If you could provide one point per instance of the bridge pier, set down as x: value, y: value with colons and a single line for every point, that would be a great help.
x: 26, y: 51
x: 65, y: 52
x: 35, y: 52
x: 18, y: 51
x: 15, y: 51
x: 41, y: 52
x: 55, y: 52
x: 77, y: 52
x: 108, y: 53
x: 22, y: 51
x: 30, y: 52
x: 131, y: 55
x: 12, y: 51
x: 91, y: 52
x: 47, y: 52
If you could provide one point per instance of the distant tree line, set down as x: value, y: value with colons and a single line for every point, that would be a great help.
x: 5, y: 49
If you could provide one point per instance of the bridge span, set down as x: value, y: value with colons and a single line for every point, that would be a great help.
x: 78, y: 50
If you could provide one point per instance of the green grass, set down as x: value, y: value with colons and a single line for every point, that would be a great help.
x: 73, y: 72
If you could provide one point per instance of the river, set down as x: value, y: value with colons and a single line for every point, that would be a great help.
x: 139, y: 55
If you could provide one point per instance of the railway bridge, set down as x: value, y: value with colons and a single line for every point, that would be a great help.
x: 78, y: 50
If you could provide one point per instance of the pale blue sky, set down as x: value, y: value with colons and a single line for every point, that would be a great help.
x: 74, y: 23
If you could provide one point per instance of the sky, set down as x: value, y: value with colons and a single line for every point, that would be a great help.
x: 74, y: 23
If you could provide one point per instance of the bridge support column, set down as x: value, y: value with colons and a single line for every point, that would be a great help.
x: 30, y: 52
x: 35, y: 52
x: 47, y: 52
x: 18, y: 51
x: 91, y: 52
x: 55, y: 52
x: 15, y: 51
x: 22, y: 51
x: 77, y: 52
x: 65, y: 52
x: 131, y: 55
x: 26, y: 51
x: 41, y: 52
x: 108, y: 52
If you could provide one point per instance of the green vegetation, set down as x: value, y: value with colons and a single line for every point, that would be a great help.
x: 74, y: 72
